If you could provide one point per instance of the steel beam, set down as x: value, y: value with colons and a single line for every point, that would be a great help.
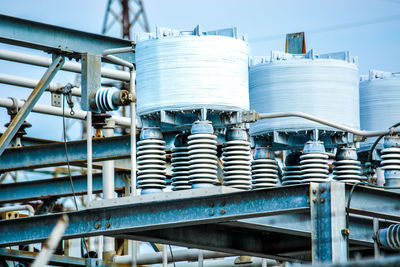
x: 160, y: 211
x: 31, y: 157
x: 328, y: 219
x: 373, y: 202
x: 56, y: 187
x: 361, y: 228
x: 30, y: 102
x: 47, y: 37
x: 230, y: 239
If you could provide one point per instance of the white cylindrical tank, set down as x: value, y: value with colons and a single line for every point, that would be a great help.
x: 192, y: 70
x: 379, y: 102
x: 325, y: 86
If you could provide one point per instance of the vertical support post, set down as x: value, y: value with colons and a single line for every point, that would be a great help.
x: 89, y: 156
x: 90, y: 83
x: 108, y: 190
x: 328, y: 219
x: 201, y: 258
x: 90, y: 79
x: 132, y: 88
x: 37, y: 92
x: 165, y: 255
x: 377, y: 250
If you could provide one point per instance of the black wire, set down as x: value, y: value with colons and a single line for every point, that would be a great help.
x: 66, y: 155
x: 349, y: 202
x: 172, y: 255
x: 69, y: 168
x: 377, y: 141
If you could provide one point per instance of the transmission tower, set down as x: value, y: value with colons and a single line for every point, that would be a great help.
x: 126, y: 13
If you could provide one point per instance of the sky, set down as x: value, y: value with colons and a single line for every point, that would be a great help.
x: 369, y: 29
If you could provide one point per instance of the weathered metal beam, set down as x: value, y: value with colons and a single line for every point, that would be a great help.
x: 31, y: 157
x: 56, y: 187
x: 230, y: 239
x: 373, y: 202
x: 26, y: 256
x: 328, y: 220
x: 160, y: 211
x: 24, y: 111
x: 32, y: 34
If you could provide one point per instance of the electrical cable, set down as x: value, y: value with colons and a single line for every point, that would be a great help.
x: 377, y: 141
x: 172, y: 255
x: 337, y: 27
x: 349, y: 202
x: 69, y: 167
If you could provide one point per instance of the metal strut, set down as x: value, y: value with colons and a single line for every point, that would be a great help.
x: 30, y: 102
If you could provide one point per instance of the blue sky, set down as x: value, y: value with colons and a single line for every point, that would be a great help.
x: 266, y: 22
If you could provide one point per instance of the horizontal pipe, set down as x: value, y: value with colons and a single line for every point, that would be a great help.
x: 31, y: 83
x: 325, y: 122
x: 119, y: 61
x: 44, y: 109
x: 229, y: 262
x: 28, y: 208
x: 68, y: 66
x: 118, y: 50
x: 177, y: 255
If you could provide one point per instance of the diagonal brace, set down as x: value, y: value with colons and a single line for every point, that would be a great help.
x: 37, y: 92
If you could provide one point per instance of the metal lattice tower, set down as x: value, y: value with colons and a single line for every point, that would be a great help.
x: 127, y: 13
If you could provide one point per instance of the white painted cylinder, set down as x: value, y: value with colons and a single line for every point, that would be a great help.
x: 325, y: 86
x: 379, y: 103
x: 190, y: 71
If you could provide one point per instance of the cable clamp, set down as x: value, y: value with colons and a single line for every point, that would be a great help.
x: 67, y: 92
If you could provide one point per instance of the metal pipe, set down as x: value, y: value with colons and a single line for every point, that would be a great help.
x: 178, y: 255
x: 19, y: 118
x: 165, y: 256
x: 132, y: 88
x: 118, y: 50
x: 201, y: 258
x: 68, y: 66
x: 108, y: 185
x: 89, y: 156
x: 31, y: 83
x: 44, y: 109
x: 119, y: 61
x: 51, y: 244
x: 325, y: 122
x: 227, y: 262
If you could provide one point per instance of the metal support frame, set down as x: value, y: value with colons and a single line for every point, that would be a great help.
x: 193, y: 207
x: 30, y: 102
x: 31, y: 157
x: 328, y: 219
x: 57, y: 187
x: 49, y: 38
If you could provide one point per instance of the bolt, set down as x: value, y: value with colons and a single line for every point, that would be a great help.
x: 223, y: 211
x: 108, y: 224
x: 315, y: 199
x: 97, y: 263
x: 322, y: 190
x: 223, y: 203
x: 346, y: 232
x: 211, y: 213
x: 322, y: 200
x: 97, y: 226
x: 314, y: 191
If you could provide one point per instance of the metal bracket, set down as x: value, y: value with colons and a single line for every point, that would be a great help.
x: 55, y: 99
